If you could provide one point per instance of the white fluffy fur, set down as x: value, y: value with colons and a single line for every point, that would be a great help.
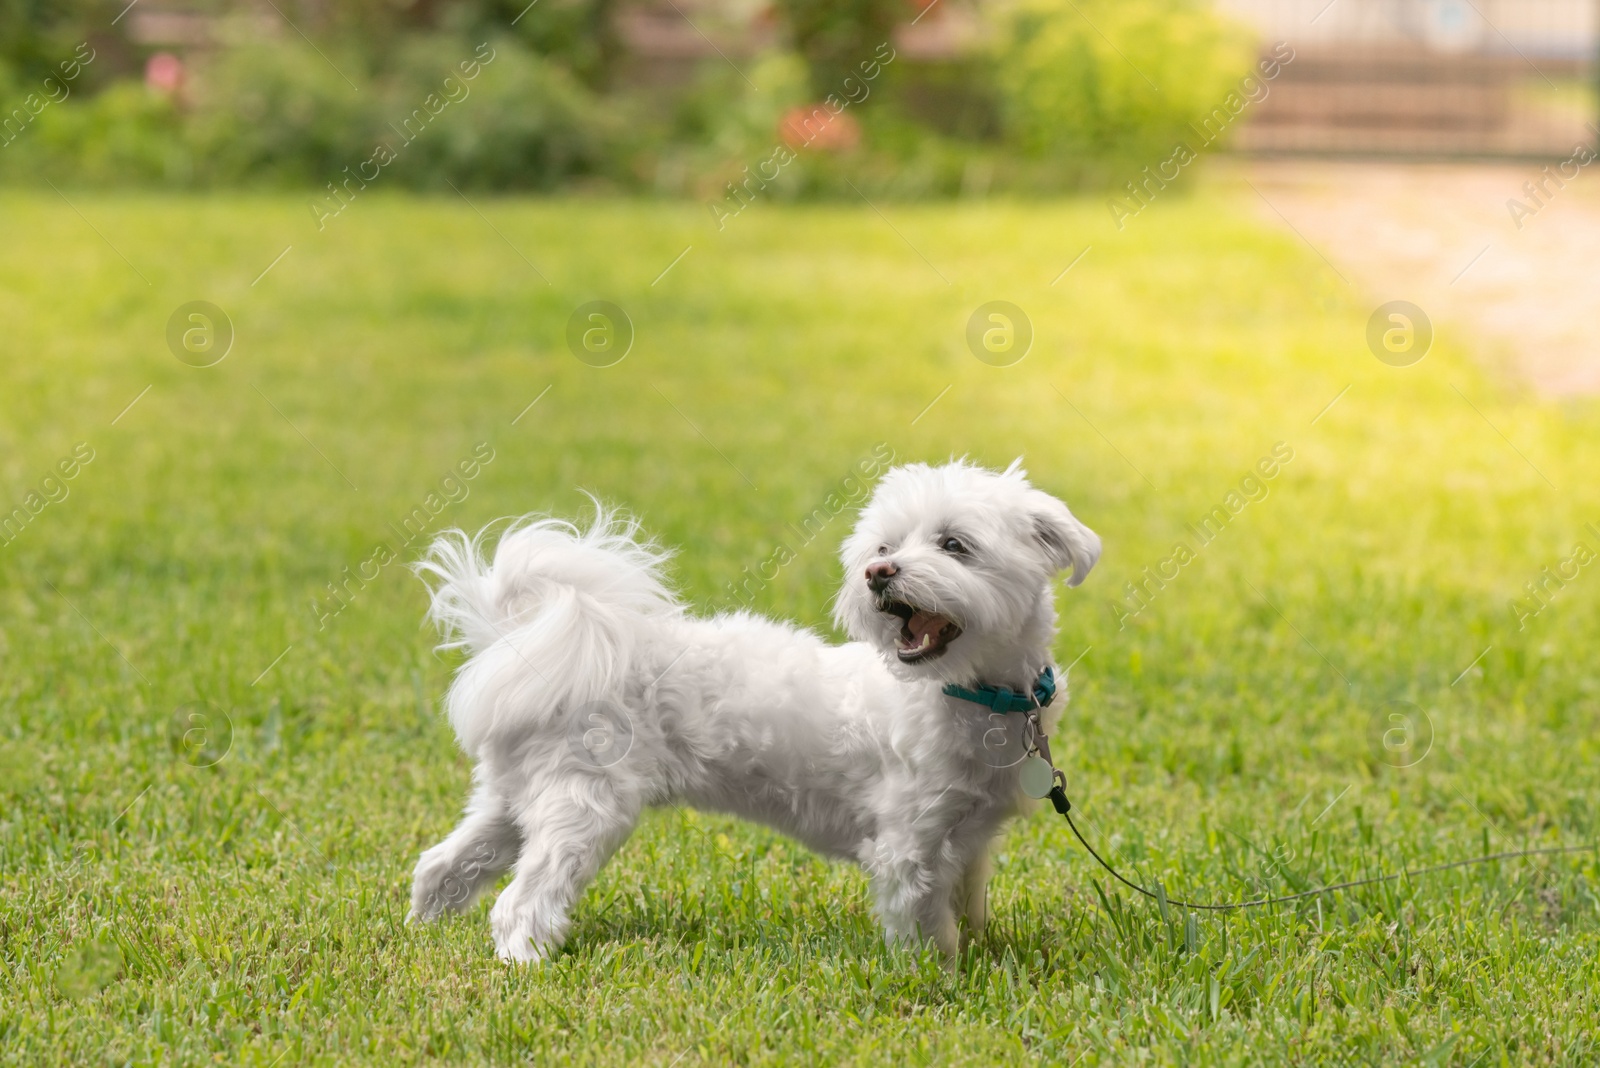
x: 590, y: 693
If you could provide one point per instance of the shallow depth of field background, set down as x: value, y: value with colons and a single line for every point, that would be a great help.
x: 220, y: 745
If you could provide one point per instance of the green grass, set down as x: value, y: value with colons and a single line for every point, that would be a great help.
x: 1228, y: 741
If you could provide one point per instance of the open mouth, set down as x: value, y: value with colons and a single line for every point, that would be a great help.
x: 923, y: 635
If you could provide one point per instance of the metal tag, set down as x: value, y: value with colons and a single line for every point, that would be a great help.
x: 1037, y: 777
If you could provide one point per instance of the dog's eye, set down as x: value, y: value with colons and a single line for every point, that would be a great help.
x: 883, y: 550
x: 953, y: 545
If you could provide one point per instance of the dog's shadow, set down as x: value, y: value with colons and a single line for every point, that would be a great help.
x: 693, y: 893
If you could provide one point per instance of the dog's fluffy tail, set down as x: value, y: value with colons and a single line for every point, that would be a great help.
x: 551, y: 621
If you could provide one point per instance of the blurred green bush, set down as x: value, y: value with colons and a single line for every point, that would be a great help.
x: 283, y: 115
x: 123, y: 135
x: 279, y: 114
x: 527, y: 124
x: 1108, y: 79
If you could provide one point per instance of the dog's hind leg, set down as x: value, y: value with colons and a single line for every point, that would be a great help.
x: 451, y: 875
x: 569, y: 830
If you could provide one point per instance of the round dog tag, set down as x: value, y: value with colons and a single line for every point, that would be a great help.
x: 1038, y: 779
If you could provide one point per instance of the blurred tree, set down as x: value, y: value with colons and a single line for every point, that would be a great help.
x: 835, y: 36
x: 36, y: 35
x: 580, y: 35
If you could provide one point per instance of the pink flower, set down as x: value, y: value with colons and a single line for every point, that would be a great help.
x: 816, y: 126
x: 164, y: 73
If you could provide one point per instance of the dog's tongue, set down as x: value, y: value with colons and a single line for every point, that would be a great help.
x: 921, y: 623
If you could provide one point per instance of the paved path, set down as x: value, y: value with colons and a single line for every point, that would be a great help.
x: 1443, y: 237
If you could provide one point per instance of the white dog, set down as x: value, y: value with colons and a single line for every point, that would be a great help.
x: 591, y: 693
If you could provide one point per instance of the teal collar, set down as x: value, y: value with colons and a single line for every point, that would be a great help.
x: 1002, y: 699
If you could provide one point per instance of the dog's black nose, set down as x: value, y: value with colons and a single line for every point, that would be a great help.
x: 879, y: 574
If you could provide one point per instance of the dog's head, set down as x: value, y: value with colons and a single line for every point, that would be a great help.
x: 950, y: 568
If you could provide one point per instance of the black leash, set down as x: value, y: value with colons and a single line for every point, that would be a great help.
x: 1058, y: 798
x: 1040, y: 778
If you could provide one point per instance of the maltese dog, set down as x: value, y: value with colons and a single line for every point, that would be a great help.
x: 590, y: 693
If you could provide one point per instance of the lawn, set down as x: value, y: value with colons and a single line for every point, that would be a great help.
x: 216, y: 775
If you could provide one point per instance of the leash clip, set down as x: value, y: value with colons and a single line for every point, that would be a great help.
x: 1041, y: 740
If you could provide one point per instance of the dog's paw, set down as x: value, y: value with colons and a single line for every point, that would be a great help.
x: 437, y: 888
x: 519, y: 947
x: 524, y: 935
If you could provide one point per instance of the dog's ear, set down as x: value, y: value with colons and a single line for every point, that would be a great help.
x: 1067, y: 542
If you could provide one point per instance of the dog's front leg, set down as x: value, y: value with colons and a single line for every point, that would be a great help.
x: 972, y: 894
x: 915, y: 919
x: 914, y: 885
